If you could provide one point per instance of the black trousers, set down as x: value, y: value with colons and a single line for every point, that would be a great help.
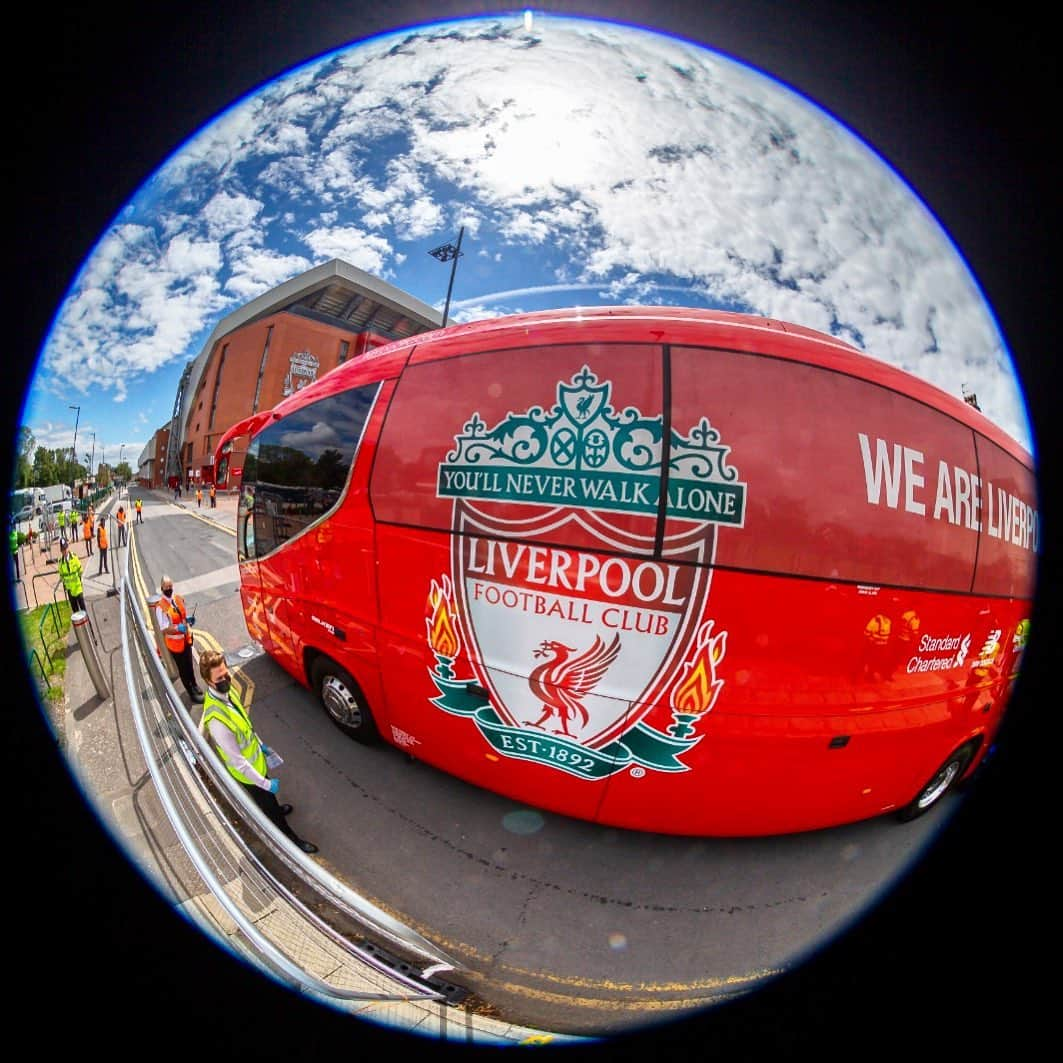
x: 77, y: 603
x: 103, y: 561
x: 272, y: 809
x: 186, y: 669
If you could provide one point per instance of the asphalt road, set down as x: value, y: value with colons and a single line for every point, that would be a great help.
x: 561, y: 924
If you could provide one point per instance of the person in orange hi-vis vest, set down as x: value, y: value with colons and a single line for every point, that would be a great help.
x: 176, y: 627
x: 86, y: 533
x: 102, y: 543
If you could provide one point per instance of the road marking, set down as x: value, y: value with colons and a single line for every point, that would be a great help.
x: 728, y: 984
x: 207, y: 580
x: 207, y: 520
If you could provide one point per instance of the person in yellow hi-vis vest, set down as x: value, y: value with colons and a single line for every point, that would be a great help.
x: 70, y: 576
x: 226, y: 722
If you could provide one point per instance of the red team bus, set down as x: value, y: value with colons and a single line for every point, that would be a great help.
x: 665, y: 569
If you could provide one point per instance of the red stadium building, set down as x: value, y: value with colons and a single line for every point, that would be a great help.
x: 274, y: 346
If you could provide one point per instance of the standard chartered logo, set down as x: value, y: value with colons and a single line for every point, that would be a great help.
x: 961, y: 655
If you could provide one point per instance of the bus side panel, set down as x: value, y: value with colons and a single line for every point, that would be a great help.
x: 428, y: 715
x: 254, y: 610
x: 339, y: 564
x: 842, y: 478
x: 520, y: 474
x: 815, y: 723
x: 280, y: 586
x: 1010, y: 526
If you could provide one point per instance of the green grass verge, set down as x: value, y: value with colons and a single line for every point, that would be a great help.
x: 47, y: 636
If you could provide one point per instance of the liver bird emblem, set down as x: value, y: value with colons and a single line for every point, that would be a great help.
x: 563, y: 681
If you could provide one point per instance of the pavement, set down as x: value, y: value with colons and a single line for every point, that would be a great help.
x: 37, y: 561
x: 117, y: 914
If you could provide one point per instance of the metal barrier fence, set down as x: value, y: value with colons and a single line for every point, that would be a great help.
x: 264, y: 899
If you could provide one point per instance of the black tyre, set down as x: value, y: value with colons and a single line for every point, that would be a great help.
x: 939, y: 784
x: 343, y: 701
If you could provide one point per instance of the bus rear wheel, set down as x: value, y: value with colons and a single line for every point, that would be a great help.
x: 939, y: 784
x: 343, y: 701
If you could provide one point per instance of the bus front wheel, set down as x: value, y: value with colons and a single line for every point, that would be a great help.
x: 343, y: 701
x: 939, y: 784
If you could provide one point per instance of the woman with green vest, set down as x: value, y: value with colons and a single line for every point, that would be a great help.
x: 70, y: 576
x: 227, y: 724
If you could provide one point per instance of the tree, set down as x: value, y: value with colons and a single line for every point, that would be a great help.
x: 123, y: 472
x: 23, y: 467
x: 44, y: 470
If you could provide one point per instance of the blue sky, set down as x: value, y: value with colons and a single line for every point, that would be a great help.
x: 588, y: 162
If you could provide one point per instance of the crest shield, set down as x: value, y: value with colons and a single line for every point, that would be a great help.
x: 574, y: 611
x: 525, y: 608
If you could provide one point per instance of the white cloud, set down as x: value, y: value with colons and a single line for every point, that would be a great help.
x: 257, y: 271
x: 635, y: 165
x: 230, y: 215
x: 353, y: 245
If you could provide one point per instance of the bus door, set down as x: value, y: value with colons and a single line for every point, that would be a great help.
x: 246, y: 554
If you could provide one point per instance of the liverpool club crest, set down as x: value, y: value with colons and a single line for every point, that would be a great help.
x: 560, y: 654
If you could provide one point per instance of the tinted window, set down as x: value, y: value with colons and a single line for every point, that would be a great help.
x: 296, y: 470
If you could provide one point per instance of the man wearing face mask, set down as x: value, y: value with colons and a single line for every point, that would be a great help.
x: 176, y: 627
x: 229, y: 728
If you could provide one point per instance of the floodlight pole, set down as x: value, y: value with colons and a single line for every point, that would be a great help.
x: 449, y: 253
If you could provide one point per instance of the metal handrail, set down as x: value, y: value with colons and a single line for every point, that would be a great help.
x: 50, y: 576
x: 275, y: 958
x: 53, y: 609
x: 332, y: 890
x: 44, y: 676
x: 44, y: 643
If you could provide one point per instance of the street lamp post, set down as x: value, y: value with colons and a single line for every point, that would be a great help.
x: 93, y: 458
x: 449, y: 253
x: 74, y: 448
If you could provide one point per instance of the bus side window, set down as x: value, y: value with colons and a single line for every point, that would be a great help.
x: 299, y: 467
